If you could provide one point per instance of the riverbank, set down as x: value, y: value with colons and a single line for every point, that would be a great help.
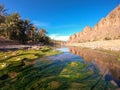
x: 113, y: 45
x: 18, y: 47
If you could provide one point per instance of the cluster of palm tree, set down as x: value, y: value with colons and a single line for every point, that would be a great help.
x: 14, y: 28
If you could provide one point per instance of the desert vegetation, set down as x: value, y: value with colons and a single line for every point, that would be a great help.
x: 12, y: 27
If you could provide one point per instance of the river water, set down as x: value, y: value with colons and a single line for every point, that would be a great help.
x: 105, y: 65
x: 74, y: 69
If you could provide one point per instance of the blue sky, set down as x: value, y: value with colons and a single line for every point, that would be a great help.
x: 61, y: 18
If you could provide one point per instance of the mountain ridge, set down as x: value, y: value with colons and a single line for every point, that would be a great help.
x: 107, y: 28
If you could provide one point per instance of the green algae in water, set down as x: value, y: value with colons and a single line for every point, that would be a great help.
x: 52, y: 75
x: 76, y: 70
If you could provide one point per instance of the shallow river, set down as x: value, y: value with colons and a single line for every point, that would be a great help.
x: 74, y: 69
x: 105, y: 66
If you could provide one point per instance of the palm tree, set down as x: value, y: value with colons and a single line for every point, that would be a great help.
x: 3, y: 10
x: 12, y: 28
x: 2, y: 13
x: 27, y: 31
x: 43, y: 32
x: 42, y: 37
x: 31, y: 32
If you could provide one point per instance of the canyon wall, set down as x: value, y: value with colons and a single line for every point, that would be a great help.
x: 107, y: 28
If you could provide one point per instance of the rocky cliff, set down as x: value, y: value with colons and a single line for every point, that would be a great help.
x: 106, y: 29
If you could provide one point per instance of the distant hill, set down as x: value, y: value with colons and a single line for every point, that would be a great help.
x: 107, y: 28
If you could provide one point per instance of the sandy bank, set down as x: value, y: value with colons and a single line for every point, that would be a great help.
x: 107, y: 45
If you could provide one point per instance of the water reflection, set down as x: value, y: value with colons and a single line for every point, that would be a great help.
x: 107, y: 64
x: 74, y: 69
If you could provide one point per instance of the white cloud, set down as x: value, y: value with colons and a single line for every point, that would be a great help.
x: 40, y: 24
x: 59, y: 37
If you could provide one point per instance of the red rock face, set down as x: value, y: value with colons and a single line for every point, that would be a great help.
x: 107, y: 28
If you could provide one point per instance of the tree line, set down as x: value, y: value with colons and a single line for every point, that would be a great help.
x: 14, y: 28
